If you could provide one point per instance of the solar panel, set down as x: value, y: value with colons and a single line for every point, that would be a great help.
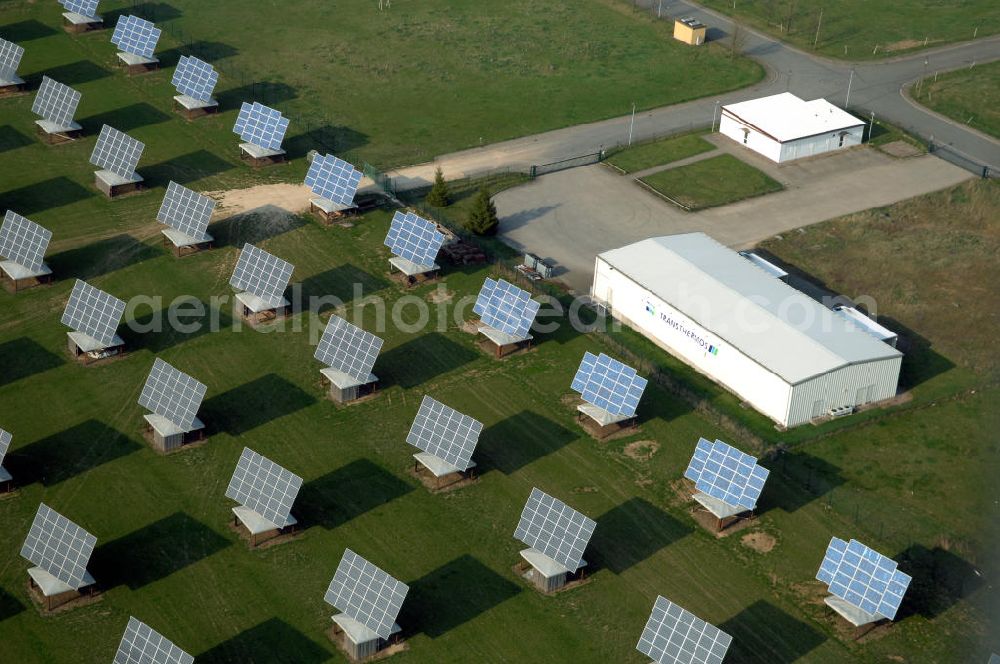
x: 366, y: 593
x: 5, y: 438
x: 172, y: 394
x: 23, y: 241
x: 609, y: 384
x: 261, y: 125
x: 93, y: 312
x: 348, y: 348
x: 723, y: 472
x: 84, y: 7
x: 58, y: 546
x: 265, y: 487
x: 505, y: 307
x: 141, y: 644
x: 186, y: 211
x: 863, y: 577
x: 332, y: 178
x: 261, y: 274
x: 414, y: 238
x: 554, y: 528
x: 445, y: 433
x: 10, y: 59
x: 117, y: 152
x: 195, y: 78
x: 135, y: 35
x: 56, y: 102
x: 676, y: 636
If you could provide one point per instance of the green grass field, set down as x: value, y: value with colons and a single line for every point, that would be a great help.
x: 968, y: 96
x: 895, y: 27
x: 656, y: 153
x: 710, y: 182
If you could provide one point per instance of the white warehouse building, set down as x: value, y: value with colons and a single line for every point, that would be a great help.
x: 783, y: 127
x: 779, y: 350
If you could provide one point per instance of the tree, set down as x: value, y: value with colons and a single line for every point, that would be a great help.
x: 738, y: 39
x: 440, y: 194
x: 483, y: 218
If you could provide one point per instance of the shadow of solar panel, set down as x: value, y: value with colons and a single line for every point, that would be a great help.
x: 135, y: 35
x: 676, y: 636
x: 10, y: 59
x: 261, y: 125
x: 56, y: 102
x: 863, y: 577
x: 265, y: 487
x: 348, y: 348
x: 195, y: 78
x: 261, y: 274
x: 445, y: 433
x: 333, y: 179
x: 117, y: 152
x: 366, y: 593
x: 414, y: 238
x: 609, y: 384
x: 82, y: 7
x: 185, y: 210
x: 505, y: 307
x: 141, y: 644
x: 724, y: 472
x: 172, y: 394
x: 23, y: 241
x: 93, y: 312
x: 58, y: 546
x: 554, y: 528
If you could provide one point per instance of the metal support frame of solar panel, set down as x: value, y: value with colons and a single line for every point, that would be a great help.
x: 5, y: 439
x: 94, y: 314
x: 554, y: 529
x: 10, y: 60
x: 60, y: 549
x: 349, y: 352
x: 674, y: 635
x: 366, y: 594
x: 187, y: 213
x: 415, y: 242
x: 506, y: 310
x: 865, y: 585
x: 262, y: 129
x: 261, y: 279
x: 172, y: 395
x: 729, y: 481
x: 611, y: 388
x: 335, y: 181
x: 22, y: 246
x: 56, y: 103
x: 83, y: 11
x: 195, y: 81
x: 445, y: 435
x: 141, y: 644
x: 265, y: 488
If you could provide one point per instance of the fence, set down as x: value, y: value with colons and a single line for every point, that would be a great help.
x: 563, y: 164
x: 960, y: 160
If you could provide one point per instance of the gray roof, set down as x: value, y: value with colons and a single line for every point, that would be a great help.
x: 782, y: 329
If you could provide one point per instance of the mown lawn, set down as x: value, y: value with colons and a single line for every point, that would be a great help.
x: 967, y: 96
x: 716, y: 181
x: 656, y: 153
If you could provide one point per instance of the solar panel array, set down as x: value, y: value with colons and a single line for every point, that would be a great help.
x: 10, y: 59
x: 141, y: 644
x: 609, y: 384
x: 172, y: 394
x: 366, y: 593
x: 84, y: 7
x: 261, y: 274
x: 445, y: 433
x: 195, y: 78
x: 56, y: 102
x: 723, y: 472
x: 186, y: 211
x: 265, y: 487
x: 676, y: 636
x: 58, y: 546
x: 135, y: 35
x: 23, y: 241
x: 261, y: 125
x: 333, y: 179
x: 505, y: 307
x: 117, y: 152
x: 5, y: 438
x: 414, y: 238
x: 863, y: 577
x: 554, y: 528
x: 93, y: 312
x: 348, y: 348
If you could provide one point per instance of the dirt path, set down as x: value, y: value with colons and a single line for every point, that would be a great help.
x: 290, y: 198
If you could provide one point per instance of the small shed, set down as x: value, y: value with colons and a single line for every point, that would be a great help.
x: 689, y: 30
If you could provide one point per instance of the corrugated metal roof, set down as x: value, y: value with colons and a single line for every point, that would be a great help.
x: 779, y: 327
x: 787, y: 117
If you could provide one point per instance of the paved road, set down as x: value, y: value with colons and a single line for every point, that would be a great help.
x: 876, y: 86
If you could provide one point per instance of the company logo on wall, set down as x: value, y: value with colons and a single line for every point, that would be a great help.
x: 683, y: 329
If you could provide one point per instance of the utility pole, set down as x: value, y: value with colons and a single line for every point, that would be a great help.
x: 715, y: 111
x: 871, y: 126
x: 818, y: 24
x: 850, y: 81
x: 631, y: 125
x: 659, y: 9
